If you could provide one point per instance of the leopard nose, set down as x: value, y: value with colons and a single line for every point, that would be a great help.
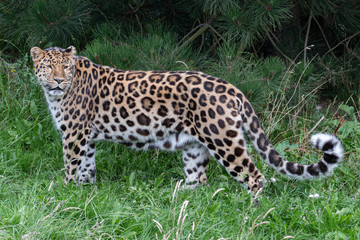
x: 59, y: 80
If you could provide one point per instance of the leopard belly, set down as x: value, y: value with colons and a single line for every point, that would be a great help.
x: 143, y: 139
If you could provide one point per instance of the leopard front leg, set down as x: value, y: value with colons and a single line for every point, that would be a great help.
x: 86, y: 171
x: 79, y: 158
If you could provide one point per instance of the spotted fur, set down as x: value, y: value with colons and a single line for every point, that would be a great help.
x: 199, y: 114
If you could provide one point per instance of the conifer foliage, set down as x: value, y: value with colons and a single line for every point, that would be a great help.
x: 325, y: 33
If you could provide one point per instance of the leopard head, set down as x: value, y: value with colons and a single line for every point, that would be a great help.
x: 54, y: 68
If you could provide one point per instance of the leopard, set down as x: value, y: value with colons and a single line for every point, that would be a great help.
x: 201, y: 115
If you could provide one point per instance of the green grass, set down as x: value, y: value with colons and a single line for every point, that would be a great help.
x: 136, y: 196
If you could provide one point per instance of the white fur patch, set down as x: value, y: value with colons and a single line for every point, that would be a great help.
x: 320, y: 139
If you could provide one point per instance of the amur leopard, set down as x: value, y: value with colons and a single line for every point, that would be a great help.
x: 201, y: 115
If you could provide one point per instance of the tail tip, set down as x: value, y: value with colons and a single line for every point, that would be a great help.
x: 327, y: 143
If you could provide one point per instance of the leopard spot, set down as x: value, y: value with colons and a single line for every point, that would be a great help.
x: 231, y: 133
x: 111, y: 79
x: 192, y: 105
x: 238, y: 169
x: 179, y: 127
x: 167, y: 144
x: 221, y: 152
x: 130, y: 123
x: 218, y: 142
x: 295, y: 168
x: 147, y: 103
x: 202, y: 100
x: 220, y: 110
x: 133, y: 138
x: 86, y: 63
x: 194, y: 80
x: 132, y: 87
x: 131, y: 102
x: 231, y: 92
x: 208, y: 86
x: 245, y: 162
x: 251, y: 167
x: 168, y: 122
x: 255, y: 124
x: 222, y: 98
x: 226, y: 163
x: 214, y: 129
x: 143, y: 132
x: 220, y: 89
x: 248, y: 108
x: 206, y: 131
x: 211, y: 146
x: 120, y: 77
x: 221, y: 123
x: 238, y: 151
x: 230, y: 121
x: 162, y: 111
x: 159, y: 133
x: 172, y: 79
x: 230, y: 104
x: 230, y: 158
x: 156, y: 78
x: 275, y: 158
x: 213, y: 100
x: 104, y: 92
x: 194, y: 92
x: 211, y: 113
x: 181, y: 87
x: 106, y: 105
x: 234, y: 174
x: 106, y: 119
x: 95, y: 73
x: 262, y: 142
x: 78, y: 99
x: 135, y: 75
x: 143, y: 119
x: 123, y: 113
x: 227, y: 141
x: 243, y: 118
x: 114, y: 112
x: 203, y: 116
x: 76, y: 149
x: 140, y: 144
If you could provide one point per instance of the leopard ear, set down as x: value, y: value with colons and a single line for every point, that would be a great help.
x: 71, y: 51
x: 36, y: 53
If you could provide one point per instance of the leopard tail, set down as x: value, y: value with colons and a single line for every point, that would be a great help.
x: 327, y: 143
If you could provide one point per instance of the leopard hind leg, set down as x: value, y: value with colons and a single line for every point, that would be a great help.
x: 195, y: 158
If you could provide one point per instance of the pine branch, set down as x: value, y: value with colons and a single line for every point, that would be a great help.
x: 323, y: 34
x: 276, y: 47
x: 341, y: 42
x: 202, y: 29
x: 45, y: 19
x: 307, y: 36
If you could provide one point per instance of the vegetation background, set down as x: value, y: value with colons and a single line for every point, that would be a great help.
x: 297, y: 61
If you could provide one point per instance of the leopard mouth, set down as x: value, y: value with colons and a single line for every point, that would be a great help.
x: 57, y: 91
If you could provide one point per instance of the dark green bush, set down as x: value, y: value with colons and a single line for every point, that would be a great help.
x: 184, y: 34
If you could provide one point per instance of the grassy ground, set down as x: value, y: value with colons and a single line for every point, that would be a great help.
x: 137, y: 198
